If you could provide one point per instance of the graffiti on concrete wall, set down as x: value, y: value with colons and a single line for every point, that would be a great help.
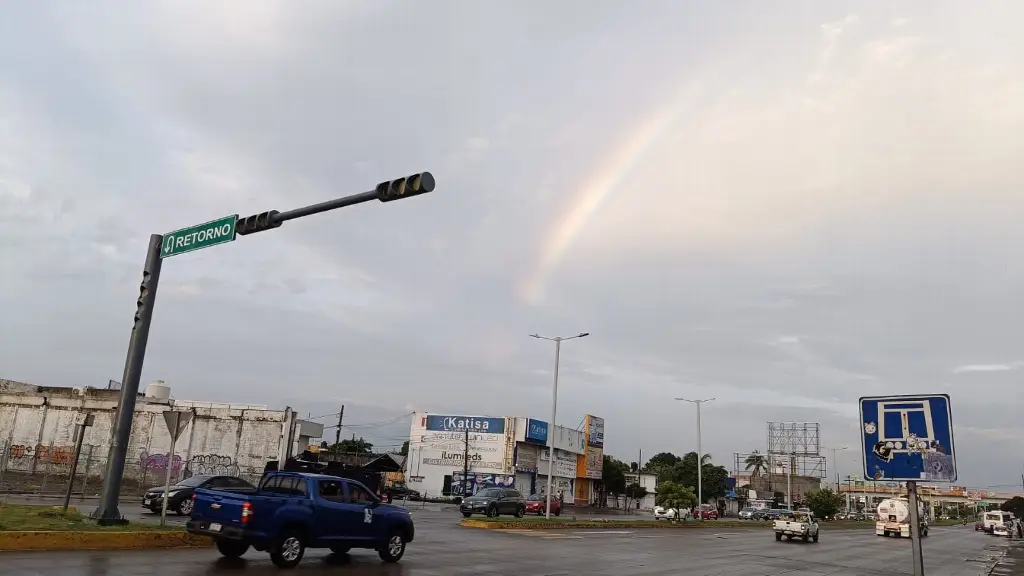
x: 212, y: 465
x: 43, y: 453
x: 158, y: 462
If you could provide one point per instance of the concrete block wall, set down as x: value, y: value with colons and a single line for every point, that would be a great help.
x: 37, y: 436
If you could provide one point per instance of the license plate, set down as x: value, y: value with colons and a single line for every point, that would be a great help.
x: 215, y: 527
x: 146, y: 502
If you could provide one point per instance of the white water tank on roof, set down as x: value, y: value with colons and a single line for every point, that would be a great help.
x: 158, y: 390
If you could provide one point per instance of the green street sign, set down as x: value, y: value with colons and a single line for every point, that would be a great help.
x: 199, y: 236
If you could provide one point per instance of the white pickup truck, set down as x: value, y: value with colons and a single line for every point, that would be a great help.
x: 797, y: 525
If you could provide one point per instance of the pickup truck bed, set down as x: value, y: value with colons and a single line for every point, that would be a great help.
x: 799, y: 528
x: 292, y: 511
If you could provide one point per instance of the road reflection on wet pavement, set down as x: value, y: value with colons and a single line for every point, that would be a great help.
x: 444, y: 549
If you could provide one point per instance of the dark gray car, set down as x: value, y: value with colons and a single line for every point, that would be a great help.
x: 494, y: 502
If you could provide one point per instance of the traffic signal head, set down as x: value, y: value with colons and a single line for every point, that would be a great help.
x: 257, y: 223
x: 405, y: 187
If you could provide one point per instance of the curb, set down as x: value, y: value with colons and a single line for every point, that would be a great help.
x: 99, y: 540
x: 594, y: 525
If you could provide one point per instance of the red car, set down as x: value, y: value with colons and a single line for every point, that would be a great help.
x: 706, y: 513
x: 537, y: 504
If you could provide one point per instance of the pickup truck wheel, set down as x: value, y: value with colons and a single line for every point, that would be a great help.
x: 815, y: 537
x: 288, y: 551
x: 232, y: 548
x: 558, y: 511
x: 520, y: 512
x: 492, y: 511
x: 806, y: 537
x: 393, y: 549
x: 185, y: 507
x: 467, y: 514
x: 778, y: 537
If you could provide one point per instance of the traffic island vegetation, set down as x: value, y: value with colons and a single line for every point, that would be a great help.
x: 20, y: 517
x: 51, y: 528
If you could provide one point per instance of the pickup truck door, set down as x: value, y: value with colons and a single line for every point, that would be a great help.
x: 330, y: 510
x: 356, y: 512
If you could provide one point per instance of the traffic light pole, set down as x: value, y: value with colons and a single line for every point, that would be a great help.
x: 107, y: 513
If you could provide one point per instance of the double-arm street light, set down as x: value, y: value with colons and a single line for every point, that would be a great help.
x: 554, y: 412
x: 835, y: 461
x: 700, y: 455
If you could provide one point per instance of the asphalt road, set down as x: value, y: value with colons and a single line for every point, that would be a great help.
x: 444, y: 549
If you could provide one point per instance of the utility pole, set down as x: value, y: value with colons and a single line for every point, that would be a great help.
x: 554, y: 414
x: 337, y: 434
x: 214, y: 232
x: 465, y: 468
x: 700, y: 455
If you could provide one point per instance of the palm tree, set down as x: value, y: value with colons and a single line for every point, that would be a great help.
x: 756, y: 463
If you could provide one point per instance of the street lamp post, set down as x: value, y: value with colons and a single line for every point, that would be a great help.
x: 835, y: 461
x: 554, y: 412
x: 700, y: 493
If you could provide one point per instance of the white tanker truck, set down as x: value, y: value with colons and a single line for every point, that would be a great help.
x: 894, y: 518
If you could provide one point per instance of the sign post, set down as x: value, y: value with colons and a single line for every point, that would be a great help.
x: 84, y: 421
x: 908, y: 439
x: 176, y: 421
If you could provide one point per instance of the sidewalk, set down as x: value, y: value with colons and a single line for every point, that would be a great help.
x: 1012, y: 563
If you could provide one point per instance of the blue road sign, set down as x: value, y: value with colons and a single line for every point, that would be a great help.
x: 908, y: 438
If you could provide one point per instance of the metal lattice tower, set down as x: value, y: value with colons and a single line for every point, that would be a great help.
x: 794, y: 438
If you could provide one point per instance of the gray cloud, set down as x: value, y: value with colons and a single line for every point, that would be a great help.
x: 786, y: 210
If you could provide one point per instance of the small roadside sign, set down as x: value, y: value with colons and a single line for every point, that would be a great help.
x: 176, y: 421
x: 199, y: 236
x: 908, y: 438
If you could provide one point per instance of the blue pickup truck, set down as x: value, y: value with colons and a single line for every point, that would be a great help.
x: 292, y: 511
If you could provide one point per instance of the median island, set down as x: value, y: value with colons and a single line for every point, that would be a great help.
x: 26, y: 527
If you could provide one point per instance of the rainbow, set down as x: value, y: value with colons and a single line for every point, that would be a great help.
x: 590, y: 197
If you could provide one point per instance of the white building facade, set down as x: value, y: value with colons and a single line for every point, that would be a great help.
x: 442, y: 447
x: 531, y: 457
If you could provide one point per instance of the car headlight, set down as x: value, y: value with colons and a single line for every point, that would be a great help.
x: 172, y: 493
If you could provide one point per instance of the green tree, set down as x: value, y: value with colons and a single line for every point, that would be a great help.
x: 673, y: 495
x: 405, y: 448
x: 756, y: 463
x: 613, y: 475
x: 825, y: 502
x: 714, y: 479
x: 1015, y: 505
x: 352, y: 446
x: 663, y: 459
x: 661, y: 465
x: 634, y: 493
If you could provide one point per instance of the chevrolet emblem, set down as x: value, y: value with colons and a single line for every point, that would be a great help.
x: 215, y: 506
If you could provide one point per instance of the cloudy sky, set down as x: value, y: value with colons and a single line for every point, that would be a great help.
x: 783, y: 205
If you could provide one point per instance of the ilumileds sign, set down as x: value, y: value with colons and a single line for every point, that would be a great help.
x: 200, y: 236
x: 471, y: 423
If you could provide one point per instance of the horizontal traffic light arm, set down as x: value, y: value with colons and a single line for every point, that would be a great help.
x: 406, y: 187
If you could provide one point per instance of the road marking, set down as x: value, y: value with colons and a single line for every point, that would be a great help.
x: 596, y: 532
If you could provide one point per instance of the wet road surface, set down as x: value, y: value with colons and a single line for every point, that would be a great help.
x: 444, y: 549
